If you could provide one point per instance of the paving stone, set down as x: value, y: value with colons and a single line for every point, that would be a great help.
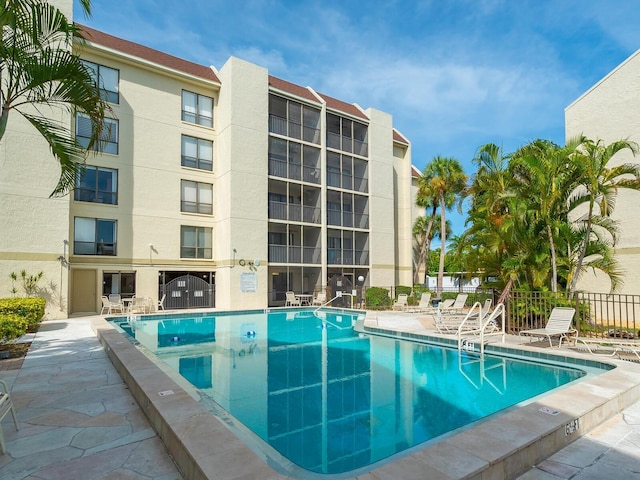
x: 42, y: 442
x: 94, y: 436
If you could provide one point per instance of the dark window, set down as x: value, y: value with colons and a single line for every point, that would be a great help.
x: 98, y: 185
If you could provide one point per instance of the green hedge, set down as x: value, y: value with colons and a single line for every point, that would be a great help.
x: 377, y: 297
x: 11, y: 327
x: 31, y: 309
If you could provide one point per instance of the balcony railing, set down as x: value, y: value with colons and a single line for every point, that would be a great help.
x: 279, y: 168
x: 294, y: 254
x: 293, y: 212
x: 337, y: 256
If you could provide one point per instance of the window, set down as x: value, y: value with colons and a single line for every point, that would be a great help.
x: 98, y: 185
x: 123, y: 283
x: 197, y: 109
x: 197, y: 153
x: 94, y: 236
x: 108, y: 142
x: 107, y: 80
x: 195, y: 242
x: 197, y: 197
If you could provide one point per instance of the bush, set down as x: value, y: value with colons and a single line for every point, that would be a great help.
x: 11, y: 327
x: 402, y: 289
x: 377, y: 297
x: 30, y: 309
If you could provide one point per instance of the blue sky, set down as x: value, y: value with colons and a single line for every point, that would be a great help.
x: 455, y: 74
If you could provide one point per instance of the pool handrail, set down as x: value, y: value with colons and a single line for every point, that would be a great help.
x: 483, y: 329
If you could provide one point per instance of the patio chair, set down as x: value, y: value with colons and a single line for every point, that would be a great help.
x: 139, y: 305
x: 109, y: 306
x: 6, y: 406
x: 291, y: 300
x: 558, y: 325
x: 320, y: 299
x: 401, y: 303
x: 160, y: 305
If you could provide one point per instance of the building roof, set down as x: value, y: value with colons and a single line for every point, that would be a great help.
x: 292, y: 88
x: 398, y: 137
x: 344, y: 107
x: 415, y: 172
x: 149, y: 54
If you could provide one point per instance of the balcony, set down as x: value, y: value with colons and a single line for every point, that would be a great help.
x: 292, y: 212
x: 294, y: 254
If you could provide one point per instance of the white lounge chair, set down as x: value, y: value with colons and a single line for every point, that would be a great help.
x: 401, y: 303
x: 291, y: 300
x: 609, y: 347
x: 456, y: 307
x: 425, y: 303
x: 321, y: 298
x: 558, y: 325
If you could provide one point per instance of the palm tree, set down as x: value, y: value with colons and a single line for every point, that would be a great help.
x: 546, y: 177
x: 425, y: 230
x: 39, y: 72
x: 599, y: 186
x: 447, y: 181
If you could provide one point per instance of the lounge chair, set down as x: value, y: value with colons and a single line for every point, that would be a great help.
x: 401, y: 303
x: 473, y: 320
x: 291, y: 300
x: 457, y: 306
x: 425, y: 303
x: 558, y: 325
x: 320, y: 299
x: 608, y: 347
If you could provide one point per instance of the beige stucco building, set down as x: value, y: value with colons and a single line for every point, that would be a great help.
x: 221, y: 188
x: 610, y: 111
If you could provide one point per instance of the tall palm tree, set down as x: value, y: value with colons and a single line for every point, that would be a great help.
x: 599, y: 186
x: 447, y: 181
x: 425, y: 230
x: 39, y: 72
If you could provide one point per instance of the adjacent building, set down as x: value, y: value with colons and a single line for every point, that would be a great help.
x: 212, y: 188
x: 610, y: 111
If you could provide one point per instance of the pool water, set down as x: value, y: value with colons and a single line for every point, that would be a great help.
x: 329, y: 399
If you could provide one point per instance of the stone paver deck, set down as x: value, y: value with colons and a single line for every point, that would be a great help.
x: 78, y: 420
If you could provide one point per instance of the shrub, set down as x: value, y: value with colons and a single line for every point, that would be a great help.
x: 11, y: 327
x: 377, y: 297
x: 403, y: 289
x: 30, y: 309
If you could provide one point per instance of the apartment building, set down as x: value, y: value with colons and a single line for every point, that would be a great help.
x: 610, y: 111
x: 213, y: 188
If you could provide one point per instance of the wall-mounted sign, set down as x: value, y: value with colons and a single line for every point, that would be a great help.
x: 248, y: 282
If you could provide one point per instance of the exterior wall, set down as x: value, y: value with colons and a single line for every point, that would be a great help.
x: 148, y: 210
x: 610, y: 111
x: 34, y: 226
x: 241, y: 190
x: 149, y: 177
x: 383, y: 240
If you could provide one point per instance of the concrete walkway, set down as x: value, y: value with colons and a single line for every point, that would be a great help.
x: 79, y: 421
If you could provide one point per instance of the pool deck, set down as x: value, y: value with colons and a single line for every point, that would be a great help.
x: 82, y: 414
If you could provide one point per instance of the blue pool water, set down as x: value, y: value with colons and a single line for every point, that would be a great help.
x: 332, y: 400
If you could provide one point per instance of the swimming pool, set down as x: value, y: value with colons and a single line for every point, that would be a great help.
x: 331, y: 400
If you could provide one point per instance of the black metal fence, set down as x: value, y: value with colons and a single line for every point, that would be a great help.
x: 601, y: 315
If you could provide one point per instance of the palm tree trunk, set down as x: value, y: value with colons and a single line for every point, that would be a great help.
x: 443, y: 237
x: 554, y: 267
x: 424, y: 250
x: 3, y: 120
x: 583, y: 249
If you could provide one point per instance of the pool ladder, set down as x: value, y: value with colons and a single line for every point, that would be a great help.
x: 491, y: 326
